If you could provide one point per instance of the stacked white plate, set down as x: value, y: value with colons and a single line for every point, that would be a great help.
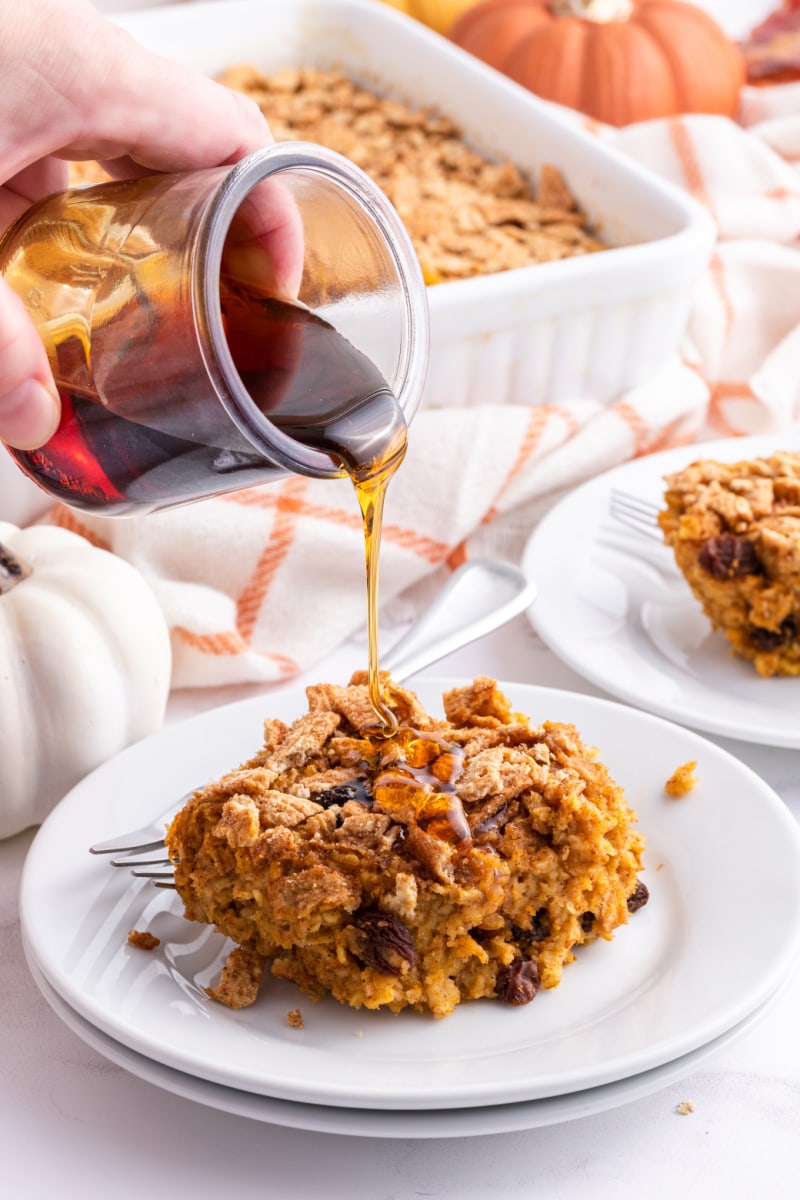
x: 691, y: 971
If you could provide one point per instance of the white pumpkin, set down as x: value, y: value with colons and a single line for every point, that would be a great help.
x: 85, y: 665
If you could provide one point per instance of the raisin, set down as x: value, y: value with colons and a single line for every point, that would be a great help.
x: 388, y: 946
x: 729, y: 557
x: 342, y: 792
x: 540, y: 925
x: 587, y: 922
x: 538, y: 930
x: 519, y: 983
x: 773, y: 639
x: 638, y: 897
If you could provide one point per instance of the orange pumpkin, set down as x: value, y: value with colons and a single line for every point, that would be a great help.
x: 616, y: 60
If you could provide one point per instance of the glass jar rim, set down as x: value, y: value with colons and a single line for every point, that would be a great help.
x: 280, y: 158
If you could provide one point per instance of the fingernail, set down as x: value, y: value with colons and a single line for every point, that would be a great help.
x: 29, y: 415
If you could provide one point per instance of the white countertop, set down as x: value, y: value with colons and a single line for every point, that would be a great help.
x: 72, y: 1124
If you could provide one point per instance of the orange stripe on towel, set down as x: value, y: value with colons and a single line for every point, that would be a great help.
x: 537, y: 423
x: 637, y: 427
x: 417, y: 543
x: 720, y: 393
x: 782, y: 193
x: 286, y: 501
x: 217, y: 644
x: 287, y: 666
x: 693, y: 174
x: 425, y: 547
x: 686, y: 154
x: 457, y: 557
x: 717, y: 272
x: 231, y: 643
x: 254, y: 593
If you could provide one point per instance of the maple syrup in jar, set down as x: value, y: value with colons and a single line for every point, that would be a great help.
x: 216, y: 330
x: 220, y: 329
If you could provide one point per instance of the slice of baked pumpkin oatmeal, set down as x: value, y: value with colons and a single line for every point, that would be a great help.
x: 464, y: 857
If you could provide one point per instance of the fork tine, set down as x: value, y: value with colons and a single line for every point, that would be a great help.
x: 139, y: 841
x: 140, y: 862
x: 628, y: 502
x: 130, y: 843
x: 637, y: 513
x: 154, y: 874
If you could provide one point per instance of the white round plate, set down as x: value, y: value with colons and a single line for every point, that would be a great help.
x: 613, y: 606
x: 385, y: 1123
x: 672, y: 980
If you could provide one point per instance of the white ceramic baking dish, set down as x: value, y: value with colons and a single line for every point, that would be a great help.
x: 586, y: 327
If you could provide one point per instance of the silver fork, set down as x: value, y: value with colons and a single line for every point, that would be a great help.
x: 142, y: 841
x: 479, y: 597
x: 636, y: 513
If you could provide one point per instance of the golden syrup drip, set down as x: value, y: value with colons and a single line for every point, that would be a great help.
x: 370, y: 489
x: 421, y: 781
x: 371, y: 496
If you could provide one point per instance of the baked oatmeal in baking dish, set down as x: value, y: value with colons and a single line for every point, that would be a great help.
x: 464, y: 857
x: 466, y: 215
x: 735, y: 531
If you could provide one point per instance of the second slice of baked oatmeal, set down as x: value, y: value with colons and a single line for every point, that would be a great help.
x: 734, y: 529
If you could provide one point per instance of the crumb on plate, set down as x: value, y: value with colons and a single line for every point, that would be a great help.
x: 682, y: 779
x: 240, y: 979
x: 143, y: 939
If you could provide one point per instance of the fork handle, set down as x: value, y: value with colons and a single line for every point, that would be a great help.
x: 480, y: 596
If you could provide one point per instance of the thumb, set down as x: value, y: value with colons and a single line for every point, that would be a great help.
x: 29, y: 404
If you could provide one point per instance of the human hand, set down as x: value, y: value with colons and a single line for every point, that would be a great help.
x: 74, y: 86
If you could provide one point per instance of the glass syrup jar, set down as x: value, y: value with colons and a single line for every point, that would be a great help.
x: 219, y: 329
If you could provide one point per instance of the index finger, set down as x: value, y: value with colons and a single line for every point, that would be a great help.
x: 115, y: 98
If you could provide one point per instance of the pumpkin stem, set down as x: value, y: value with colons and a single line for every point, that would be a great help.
x: 13, y: 569
x: 601, y: 11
